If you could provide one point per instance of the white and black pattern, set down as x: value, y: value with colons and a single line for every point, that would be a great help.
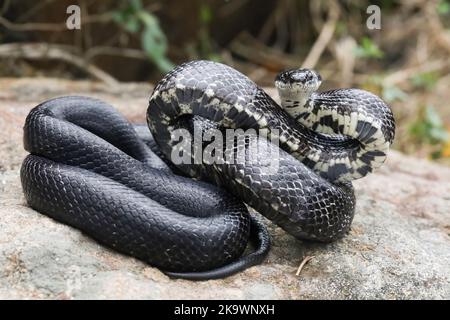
x: 339, y: 135
x: 90, y: 168
x: 344, y: 133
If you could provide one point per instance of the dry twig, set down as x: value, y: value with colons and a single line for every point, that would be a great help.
x: 38, y: 26
x: 253, y: 50
x: 44, y: 51
x: 114, y: 51
x: 404, y: 74
x: 346, y: 59
x: 324, y: 37
x: 305, y: 261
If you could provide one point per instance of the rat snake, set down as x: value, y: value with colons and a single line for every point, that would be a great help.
x: 90, y: 168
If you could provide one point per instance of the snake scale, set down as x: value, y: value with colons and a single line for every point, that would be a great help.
x: 90, y: 168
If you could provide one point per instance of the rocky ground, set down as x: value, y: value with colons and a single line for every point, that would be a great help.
x: 398, y: 247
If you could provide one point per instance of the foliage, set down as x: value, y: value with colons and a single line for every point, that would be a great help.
x: 429, y: 128
x: 389, y: 93
x: 426, y: 80
x: 393, y: 93
x: 133, y: 18
x: 368, y: 49
x: 205, y: 43
x: 443, y: 7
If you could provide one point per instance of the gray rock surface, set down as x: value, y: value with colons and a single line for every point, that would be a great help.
x: 398, y: 247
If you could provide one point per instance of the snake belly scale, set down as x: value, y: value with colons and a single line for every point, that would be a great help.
x: 90, y: 168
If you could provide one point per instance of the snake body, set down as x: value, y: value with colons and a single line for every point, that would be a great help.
x: 89, y: 168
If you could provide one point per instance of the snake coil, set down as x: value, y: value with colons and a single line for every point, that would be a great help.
x: 90, y: 168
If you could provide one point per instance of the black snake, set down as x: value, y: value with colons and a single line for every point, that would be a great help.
x: 90, y: 168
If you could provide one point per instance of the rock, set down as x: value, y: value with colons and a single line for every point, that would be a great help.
x: 398, y: 247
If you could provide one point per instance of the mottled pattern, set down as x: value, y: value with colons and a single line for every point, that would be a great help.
x: 342, y: 134
x: 311, y: 198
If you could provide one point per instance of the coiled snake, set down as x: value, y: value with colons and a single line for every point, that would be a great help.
x: 90, y: 168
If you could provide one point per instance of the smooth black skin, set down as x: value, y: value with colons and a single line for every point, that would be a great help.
x: 90, y: 169
x: 261, y: 241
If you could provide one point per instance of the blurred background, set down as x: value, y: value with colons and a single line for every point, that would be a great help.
x: 406, y: 61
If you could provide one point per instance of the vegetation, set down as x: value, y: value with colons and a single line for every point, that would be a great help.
x: 133, y: 18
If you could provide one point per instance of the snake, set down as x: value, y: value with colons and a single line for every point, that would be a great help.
x: 90, y: 168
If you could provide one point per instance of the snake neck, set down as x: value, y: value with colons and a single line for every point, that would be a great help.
x: 350, y: 131
x: 347, y: 136
x: 297, y: 100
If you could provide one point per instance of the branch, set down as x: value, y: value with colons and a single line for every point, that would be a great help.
x: 343, y: 49
x: 302, y: 264
x: 324, y: 37
x: 44, y: 51
x: 114, y: 51
x: 404, y: 74
x: 246, y: 46
x: 38, y: 26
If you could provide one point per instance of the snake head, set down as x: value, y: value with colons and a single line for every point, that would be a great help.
x: 298, y: 80
x: 295, y: 87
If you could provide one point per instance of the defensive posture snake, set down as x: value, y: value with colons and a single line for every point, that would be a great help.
x: 90, y: 168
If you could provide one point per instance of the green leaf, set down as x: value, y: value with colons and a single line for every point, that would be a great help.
x: 149, y: 20
x: 368, y: 49
x: 205, y: 14
x: 426, y: 80
x: 393, y: 93
x: 153, y: 39
x: 165, y: 65
x: 118, y: 16
x: 429, y: 127
x: 134, y: 18
x: 443, y: 7
x: 432, y: 117
x: 132, y: 25
x: 127, y: 20
x: 136, y: 5
x: 439, y: 134
x: 151, y: 44
x: 154, y: 44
